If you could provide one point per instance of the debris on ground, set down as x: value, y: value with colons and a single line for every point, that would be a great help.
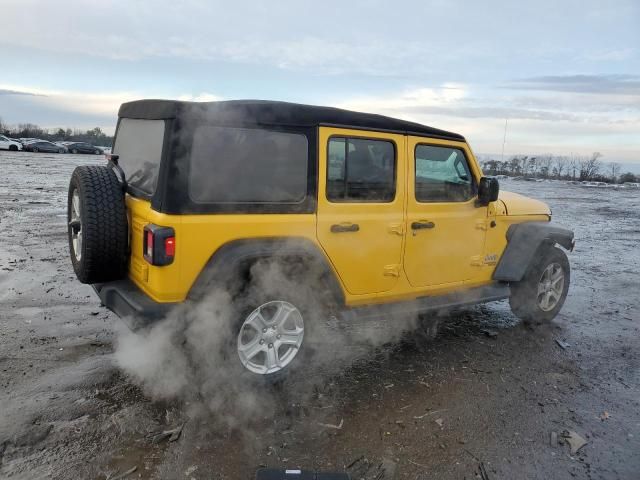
x: 335, y: 427
x: 604, y: 416
x: 563, y: 345
x: 489, y: 333
x: 418, y: 417
x: 575, y: 441
x: 172, y: 435
x: 440, y: 422
x: 124, y: 474
x: 482, y: 471
x: 553, y: 440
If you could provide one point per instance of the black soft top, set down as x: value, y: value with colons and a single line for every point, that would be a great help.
x: 265, y: 112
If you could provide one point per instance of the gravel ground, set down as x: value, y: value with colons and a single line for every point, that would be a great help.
x: 468, y: 404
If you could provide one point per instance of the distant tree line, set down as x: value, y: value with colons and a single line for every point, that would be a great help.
x: 582, y: 168
x: 95, y: 136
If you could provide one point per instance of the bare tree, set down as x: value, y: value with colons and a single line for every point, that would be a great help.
x: 559, y: 165
x: 545, y: 165
x: 590, y: 167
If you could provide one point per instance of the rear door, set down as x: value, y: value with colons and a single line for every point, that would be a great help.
x: 138, y: 143
x: 445, y: 228
x: 361, y: 206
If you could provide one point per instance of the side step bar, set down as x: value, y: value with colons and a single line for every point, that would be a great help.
x: 472, y: 296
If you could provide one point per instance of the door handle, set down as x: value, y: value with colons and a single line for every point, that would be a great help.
x: 345, y: 227
x: 422, y: 225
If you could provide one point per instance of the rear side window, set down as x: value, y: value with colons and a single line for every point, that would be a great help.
x: 442, y: 175
x: 245, y: 165
x: 361, y: 170
x: 139, y: 145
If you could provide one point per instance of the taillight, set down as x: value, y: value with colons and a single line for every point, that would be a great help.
x: 159, y: 245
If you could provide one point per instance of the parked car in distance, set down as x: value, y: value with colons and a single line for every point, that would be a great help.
x: 81, y: 147
x: 43, y: 146
x: 9, y: 144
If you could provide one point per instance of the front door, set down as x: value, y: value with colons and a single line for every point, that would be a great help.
x: 445, y: 228
x: 361, y: 206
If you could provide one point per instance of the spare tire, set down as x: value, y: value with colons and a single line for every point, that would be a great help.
x: 97, y: 225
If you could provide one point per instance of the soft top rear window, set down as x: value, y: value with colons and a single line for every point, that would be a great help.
x: 139, y: 146
x: 248, y: 165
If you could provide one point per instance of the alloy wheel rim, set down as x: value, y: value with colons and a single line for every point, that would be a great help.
x: 270, y: 337
x: 75, y: 224
x: 550, y: 287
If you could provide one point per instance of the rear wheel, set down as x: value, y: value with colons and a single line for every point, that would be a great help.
x: 539, y: 296
x: 279, y: 323
x: 97, y: 225
x: 35, y: 149
x: 270, y: 337
x: 74, y: 151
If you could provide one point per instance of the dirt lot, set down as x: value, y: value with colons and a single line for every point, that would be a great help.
x: 479, y: 401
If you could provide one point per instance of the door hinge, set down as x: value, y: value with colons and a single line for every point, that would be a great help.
x: 397, y: 228
x: 392, y: 270
x: 481, y: 224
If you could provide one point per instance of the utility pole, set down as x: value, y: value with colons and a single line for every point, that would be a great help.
x: 504, y: 140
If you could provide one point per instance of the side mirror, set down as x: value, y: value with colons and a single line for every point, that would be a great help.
x: 488, y: 190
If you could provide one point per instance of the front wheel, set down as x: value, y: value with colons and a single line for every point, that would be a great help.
x: 13, y: 148
x: 539, y: 296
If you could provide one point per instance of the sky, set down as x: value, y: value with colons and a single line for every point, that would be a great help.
x: 563, y: 74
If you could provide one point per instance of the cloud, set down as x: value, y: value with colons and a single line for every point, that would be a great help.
x: 547, y: 122
x: 201, y: 97
x: 597, y: 84
x: 52, y: 108
x: 16, y: 92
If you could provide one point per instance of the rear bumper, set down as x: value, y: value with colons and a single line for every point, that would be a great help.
x: 131, y: 304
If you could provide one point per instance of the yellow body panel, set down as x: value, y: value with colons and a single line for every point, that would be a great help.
x: 382, y: 262
x: 449, y: 253
x: 517, y: 204
x: 367, y: 261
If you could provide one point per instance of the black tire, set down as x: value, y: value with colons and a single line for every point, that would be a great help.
x: 104, y: 249
x: 34, y: 149
x: 74, y: 151
x: 525, y: 299
x: 97, y: 152
x: 61, y: 151
x: 13, y: 148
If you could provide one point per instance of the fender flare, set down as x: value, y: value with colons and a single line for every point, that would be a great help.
x: 225, y: 264
x: 524, y: 240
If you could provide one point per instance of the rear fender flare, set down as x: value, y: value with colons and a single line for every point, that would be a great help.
x: 524, y: 240
x: 228, y: 263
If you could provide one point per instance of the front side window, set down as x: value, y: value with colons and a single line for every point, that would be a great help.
x: 442, y: 175
x: 139, y: 144
x: 361, y: 170
x: 248, y: 165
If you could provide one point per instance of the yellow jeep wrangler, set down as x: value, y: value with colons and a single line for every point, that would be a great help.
x: 361, y: 213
